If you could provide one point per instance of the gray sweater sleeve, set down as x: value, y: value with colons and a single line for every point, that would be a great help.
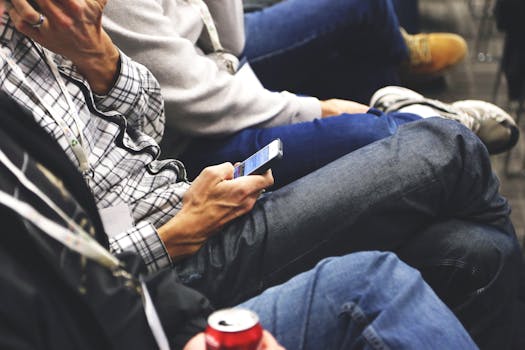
x: 200, y: 99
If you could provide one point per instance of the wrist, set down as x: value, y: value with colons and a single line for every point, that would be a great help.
x: 179, y: 242
x: 101, y: 66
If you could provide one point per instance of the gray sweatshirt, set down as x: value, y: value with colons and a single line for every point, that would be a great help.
x: 201, y: 98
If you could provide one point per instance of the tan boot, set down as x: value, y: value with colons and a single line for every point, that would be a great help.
x: 431, y: 54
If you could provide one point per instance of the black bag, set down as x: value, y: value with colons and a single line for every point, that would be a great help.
x: 53, y: 298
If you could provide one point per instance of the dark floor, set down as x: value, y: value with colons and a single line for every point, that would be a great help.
x: 475, y: 79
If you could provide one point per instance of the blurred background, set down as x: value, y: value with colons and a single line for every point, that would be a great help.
x: 477, y: 77
x: 493, y: 71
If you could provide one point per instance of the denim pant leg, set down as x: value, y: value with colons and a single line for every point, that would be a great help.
x: 482, y: 266
x: 326, y: 48
x: 360, y: 301
x: 307, y: 146
x: 380, y: 197
x: 407, y: 12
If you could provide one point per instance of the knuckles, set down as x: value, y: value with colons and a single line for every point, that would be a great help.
x: 217, y: 171
x: 242, y: 192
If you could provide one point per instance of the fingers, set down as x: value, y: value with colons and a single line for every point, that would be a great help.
x: 56, y: 13
x: 268, y: 176
x: 198, y: 342
x: 26, y: 17
x: 243, y: 187
x: 246, y: 190
x: 24, y: 11
x: 221, y: 172
x: 269, y: 342
x: 72, y: 7
x: 257, y: 182
x: 212, y: 175
x: 228, y: 198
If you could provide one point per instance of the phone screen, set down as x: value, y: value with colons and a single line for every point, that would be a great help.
x: 259, y: 161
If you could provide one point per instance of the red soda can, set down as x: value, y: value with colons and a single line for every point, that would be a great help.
x: 233, y: 329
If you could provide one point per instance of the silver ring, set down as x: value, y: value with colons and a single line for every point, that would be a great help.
x: 39, y: 23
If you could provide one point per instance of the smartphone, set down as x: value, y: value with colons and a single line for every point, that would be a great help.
x: 260, y: 161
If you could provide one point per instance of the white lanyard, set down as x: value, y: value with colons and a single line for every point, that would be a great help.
x: 230, y: 61
x: 153, y: 318
x: 204, y: 11
x: 86, y: 246
x: 75, y: 143
x: 81, y: 242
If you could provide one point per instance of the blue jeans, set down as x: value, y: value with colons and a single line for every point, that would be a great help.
x: 407, y: 12
x: 427, y: 193
x: 326, y: 48
x: 307, y: 146
x: 360, y: 301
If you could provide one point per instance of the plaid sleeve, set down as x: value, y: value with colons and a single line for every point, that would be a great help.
x: 144, y: 240
x: 136, y: 95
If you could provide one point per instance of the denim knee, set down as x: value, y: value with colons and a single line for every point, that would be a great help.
x: 453, y: 133
x: 478, y: 280
x: 456, y: 154
x: 464, y: 261
x: 367, y: 267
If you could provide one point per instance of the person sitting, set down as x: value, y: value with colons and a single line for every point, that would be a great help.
x: 59, y: 295
x: 215, y: 114
x: 105, y: 111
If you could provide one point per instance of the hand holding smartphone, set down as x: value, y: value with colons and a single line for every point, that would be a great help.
x: 260, y: 161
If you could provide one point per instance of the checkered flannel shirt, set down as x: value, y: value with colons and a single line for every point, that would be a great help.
x: 121, y: 131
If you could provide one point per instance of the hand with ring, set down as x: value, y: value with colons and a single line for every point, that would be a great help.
x: 39, y: 23
x: 73, y: 29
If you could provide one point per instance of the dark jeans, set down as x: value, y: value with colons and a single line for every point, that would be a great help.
x: 427, y: 193
x: 326, y: 48
x: 407, y: 12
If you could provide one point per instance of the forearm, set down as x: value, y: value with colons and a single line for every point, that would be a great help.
x: 159, y: 248
x: 179, y: 240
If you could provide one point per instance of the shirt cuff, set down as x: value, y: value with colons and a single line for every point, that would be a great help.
x: 144, y: 240
x: 124, y: 92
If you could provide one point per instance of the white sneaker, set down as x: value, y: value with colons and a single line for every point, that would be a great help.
x: 497, y: 129
x: 393, y: 98
x: 494, y: 126
x: 484, y: 111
